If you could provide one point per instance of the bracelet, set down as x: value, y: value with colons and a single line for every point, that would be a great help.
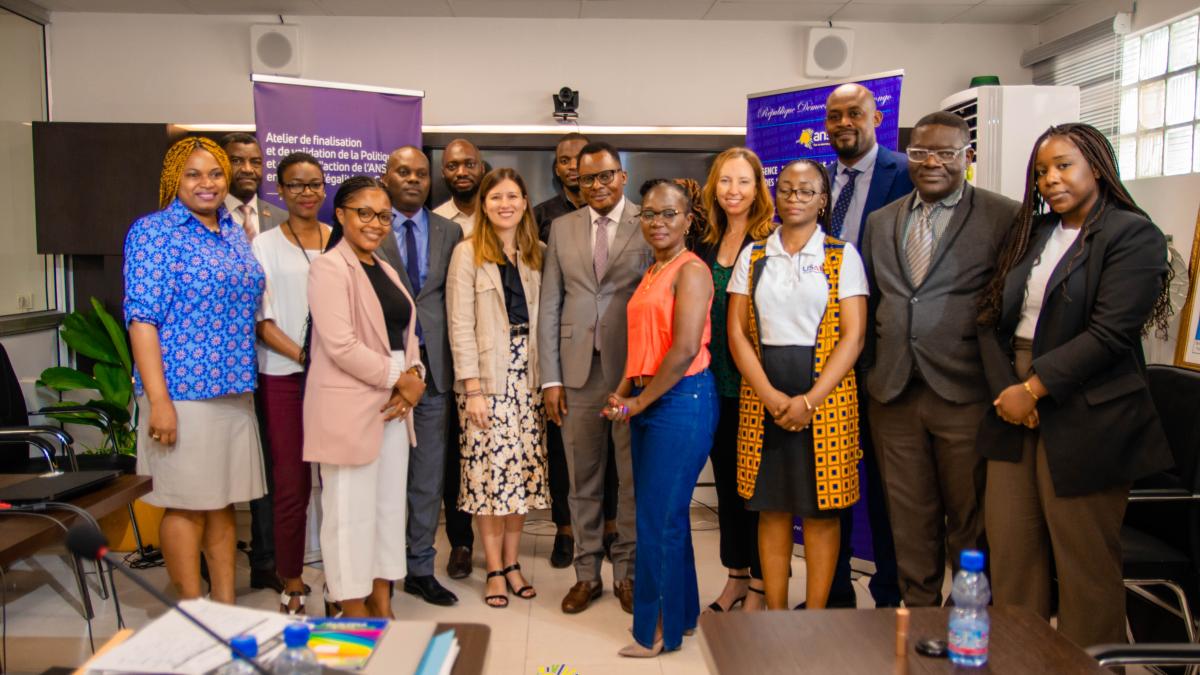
x: 474, y: 392
x: 804, y: 397
x: 1030, y: 390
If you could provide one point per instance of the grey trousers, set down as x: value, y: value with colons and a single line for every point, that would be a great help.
x: 426, y: 468
x: 933, y: 480
x: 585, y: 440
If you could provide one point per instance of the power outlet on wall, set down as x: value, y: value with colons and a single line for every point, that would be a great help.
x: 25, y: 302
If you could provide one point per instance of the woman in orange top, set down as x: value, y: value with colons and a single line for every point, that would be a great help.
x: 670, y: 398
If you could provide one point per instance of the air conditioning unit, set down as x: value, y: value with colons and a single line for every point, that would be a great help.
x: 275, y: 49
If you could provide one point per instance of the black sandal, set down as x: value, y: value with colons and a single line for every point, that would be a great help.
x: 487, y: 599
x: 714, y: 606
x: 525, y: 592
x: 333, y: 608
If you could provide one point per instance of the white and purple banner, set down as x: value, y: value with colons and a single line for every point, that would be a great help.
x: 350, y: 129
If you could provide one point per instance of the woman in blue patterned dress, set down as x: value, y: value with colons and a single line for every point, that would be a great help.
x: 192, y: 285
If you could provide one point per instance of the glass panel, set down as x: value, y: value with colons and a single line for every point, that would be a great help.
x: 1196, y: 149
x: 1127, y: 157
x: 1181, y: 97
x: 1129, y: 111
x: 1130, y: 52
x: 1177, y: 157
x: 1150, y: 154
x: 1183, y: 43
x: 1152, y: 104
x: 1154, y: 53
x: 24, y: 285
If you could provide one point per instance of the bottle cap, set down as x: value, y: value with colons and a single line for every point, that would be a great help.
x: 296, y: 635
x: 971, y: 560
x: 247, y: 644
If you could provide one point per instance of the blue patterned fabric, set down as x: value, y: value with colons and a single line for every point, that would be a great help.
x: 843, y: 205
x: 200, y: 290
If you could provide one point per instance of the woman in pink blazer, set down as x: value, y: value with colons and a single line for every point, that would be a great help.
x: 364, y: 378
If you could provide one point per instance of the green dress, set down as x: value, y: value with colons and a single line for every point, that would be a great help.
x: 729, y: 380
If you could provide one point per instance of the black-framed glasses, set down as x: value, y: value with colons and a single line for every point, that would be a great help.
x: 366, y: 215
x: 649, y: 216
x: 804, y: 195
x: 919, y: 155
x: 603, y: 178
x: 296, y: 189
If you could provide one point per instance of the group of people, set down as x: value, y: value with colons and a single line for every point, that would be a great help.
x: 589, y: 354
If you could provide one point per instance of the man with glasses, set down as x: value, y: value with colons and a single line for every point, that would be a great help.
x: 462, y: 169
x: 594, y: 261
x: 866, y: 176
x: 255, y: 216
x: 928, y: 256
x: 420, y: 251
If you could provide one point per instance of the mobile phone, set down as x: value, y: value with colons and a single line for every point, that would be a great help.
x: 932, y: 648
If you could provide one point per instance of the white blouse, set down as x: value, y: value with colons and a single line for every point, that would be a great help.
x: 285, y: 300
x: 1039, y: 275
x: 792, y: 293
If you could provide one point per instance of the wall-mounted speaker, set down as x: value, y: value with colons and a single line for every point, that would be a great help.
x: 830, y: 52
x: 275, y: 49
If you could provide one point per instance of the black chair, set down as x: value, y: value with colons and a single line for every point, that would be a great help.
x: 1164, y: 654
x: 1161, y: 534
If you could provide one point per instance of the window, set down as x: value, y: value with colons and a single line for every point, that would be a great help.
x: 28, y: 281
x: 1159, y: 129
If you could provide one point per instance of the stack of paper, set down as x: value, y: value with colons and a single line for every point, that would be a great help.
x: 439, y: 655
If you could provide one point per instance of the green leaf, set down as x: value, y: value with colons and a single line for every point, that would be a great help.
x: 116, y: 333
x: 67, y: 379
x: 118, y: 413
x: 90, y: 343
x: 115, y: 385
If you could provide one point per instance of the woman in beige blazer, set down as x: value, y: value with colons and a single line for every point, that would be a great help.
x: 492, y: 291
x: 365, y: 376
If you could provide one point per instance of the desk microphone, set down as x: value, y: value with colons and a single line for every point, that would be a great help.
x: 85, y: 541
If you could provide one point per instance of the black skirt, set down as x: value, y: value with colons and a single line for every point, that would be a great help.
x: 787, y: 475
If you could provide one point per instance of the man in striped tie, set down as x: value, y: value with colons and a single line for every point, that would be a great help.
x: 928, y: 256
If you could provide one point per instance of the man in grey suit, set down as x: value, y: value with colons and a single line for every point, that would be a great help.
x: 928, y: 256
x: 420, y: 251
x: 595, y: 259
x: 243, y: 202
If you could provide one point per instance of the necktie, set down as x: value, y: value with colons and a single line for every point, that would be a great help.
x: 412, y: 262
x: 600, y: 247
x: 918, y: 246
x: 249, y: 221
x: 843, y: 204
x: 599, y: 264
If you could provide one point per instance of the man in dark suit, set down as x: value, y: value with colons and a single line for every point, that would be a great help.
x: 928, y: 256
x: 420, y: 251
x: 866, y: 176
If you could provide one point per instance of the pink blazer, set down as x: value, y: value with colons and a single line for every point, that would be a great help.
x: 350, y: 377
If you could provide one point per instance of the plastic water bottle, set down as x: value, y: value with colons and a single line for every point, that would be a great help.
x: 969, y: 621
x: 240, y: 666
x: 297, y: 659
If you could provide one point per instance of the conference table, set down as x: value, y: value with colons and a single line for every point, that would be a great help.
x: 864, y: 641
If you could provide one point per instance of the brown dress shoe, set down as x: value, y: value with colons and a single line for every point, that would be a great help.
x: 459, y: 565
x: 581, y: 595
x: 623, y: 589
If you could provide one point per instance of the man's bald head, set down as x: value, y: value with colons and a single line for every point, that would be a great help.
x: 407, y: 179
x: 850, y: 120
x: 462, y: 169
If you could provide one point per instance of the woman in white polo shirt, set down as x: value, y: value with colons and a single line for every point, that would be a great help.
x: 797, y: 322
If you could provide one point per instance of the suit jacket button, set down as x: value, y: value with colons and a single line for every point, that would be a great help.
x: 913, y: 301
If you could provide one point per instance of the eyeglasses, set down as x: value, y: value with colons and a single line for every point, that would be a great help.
x: 366, y: 215
x: 604, y: 178
x: 919, y: 155
x: 803, y: 195
x: 649, y: 216
x: 297, y: 189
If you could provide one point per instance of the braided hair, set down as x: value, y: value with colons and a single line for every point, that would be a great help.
x: 1101, y: 158
x: 177, y: 157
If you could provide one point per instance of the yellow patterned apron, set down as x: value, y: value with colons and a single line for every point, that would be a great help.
x: 835, y: 423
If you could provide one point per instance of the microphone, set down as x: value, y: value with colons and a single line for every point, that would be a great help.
x: 85, y: 541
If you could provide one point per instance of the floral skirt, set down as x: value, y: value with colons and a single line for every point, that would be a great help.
x: 504, y: 467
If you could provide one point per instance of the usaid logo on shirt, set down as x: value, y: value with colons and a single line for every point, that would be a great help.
x: 810, y: 268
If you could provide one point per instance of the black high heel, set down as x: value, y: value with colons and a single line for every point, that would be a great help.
x: 487, y: 599
x: 333, y: 608
x: 525, y: 592
x: 714, y: 606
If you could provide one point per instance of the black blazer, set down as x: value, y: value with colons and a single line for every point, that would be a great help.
x: 1098, y: 423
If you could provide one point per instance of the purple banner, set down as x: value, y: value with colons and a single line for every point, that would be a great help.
x: 791, y: 125
x: 349, y: 131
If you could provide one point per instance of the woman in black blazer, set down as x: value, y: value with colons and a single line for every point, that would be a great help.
x: 1073, y: 425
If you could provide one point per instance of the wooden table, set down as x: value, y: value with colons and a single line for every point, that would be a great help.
x: 22, y: 536
x: 864, y: 641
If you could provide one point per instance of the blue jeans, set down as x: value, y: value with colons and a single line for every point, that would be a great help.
x: 670, y: 441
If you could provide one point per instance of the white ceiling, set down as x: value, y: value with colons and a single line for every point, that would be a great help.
x: 889, y: 11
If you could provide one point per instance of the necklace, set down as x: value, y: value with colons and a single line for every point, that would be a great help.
x: 300, y: 244
x: 657, y: 268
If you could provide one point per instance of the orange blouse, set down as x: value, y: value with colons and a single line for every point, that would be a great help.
x: 651, y: 317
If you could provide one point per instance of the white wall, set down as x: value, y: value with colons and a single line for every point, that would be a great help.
x: 195, y: 69
x: 31, y: 353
